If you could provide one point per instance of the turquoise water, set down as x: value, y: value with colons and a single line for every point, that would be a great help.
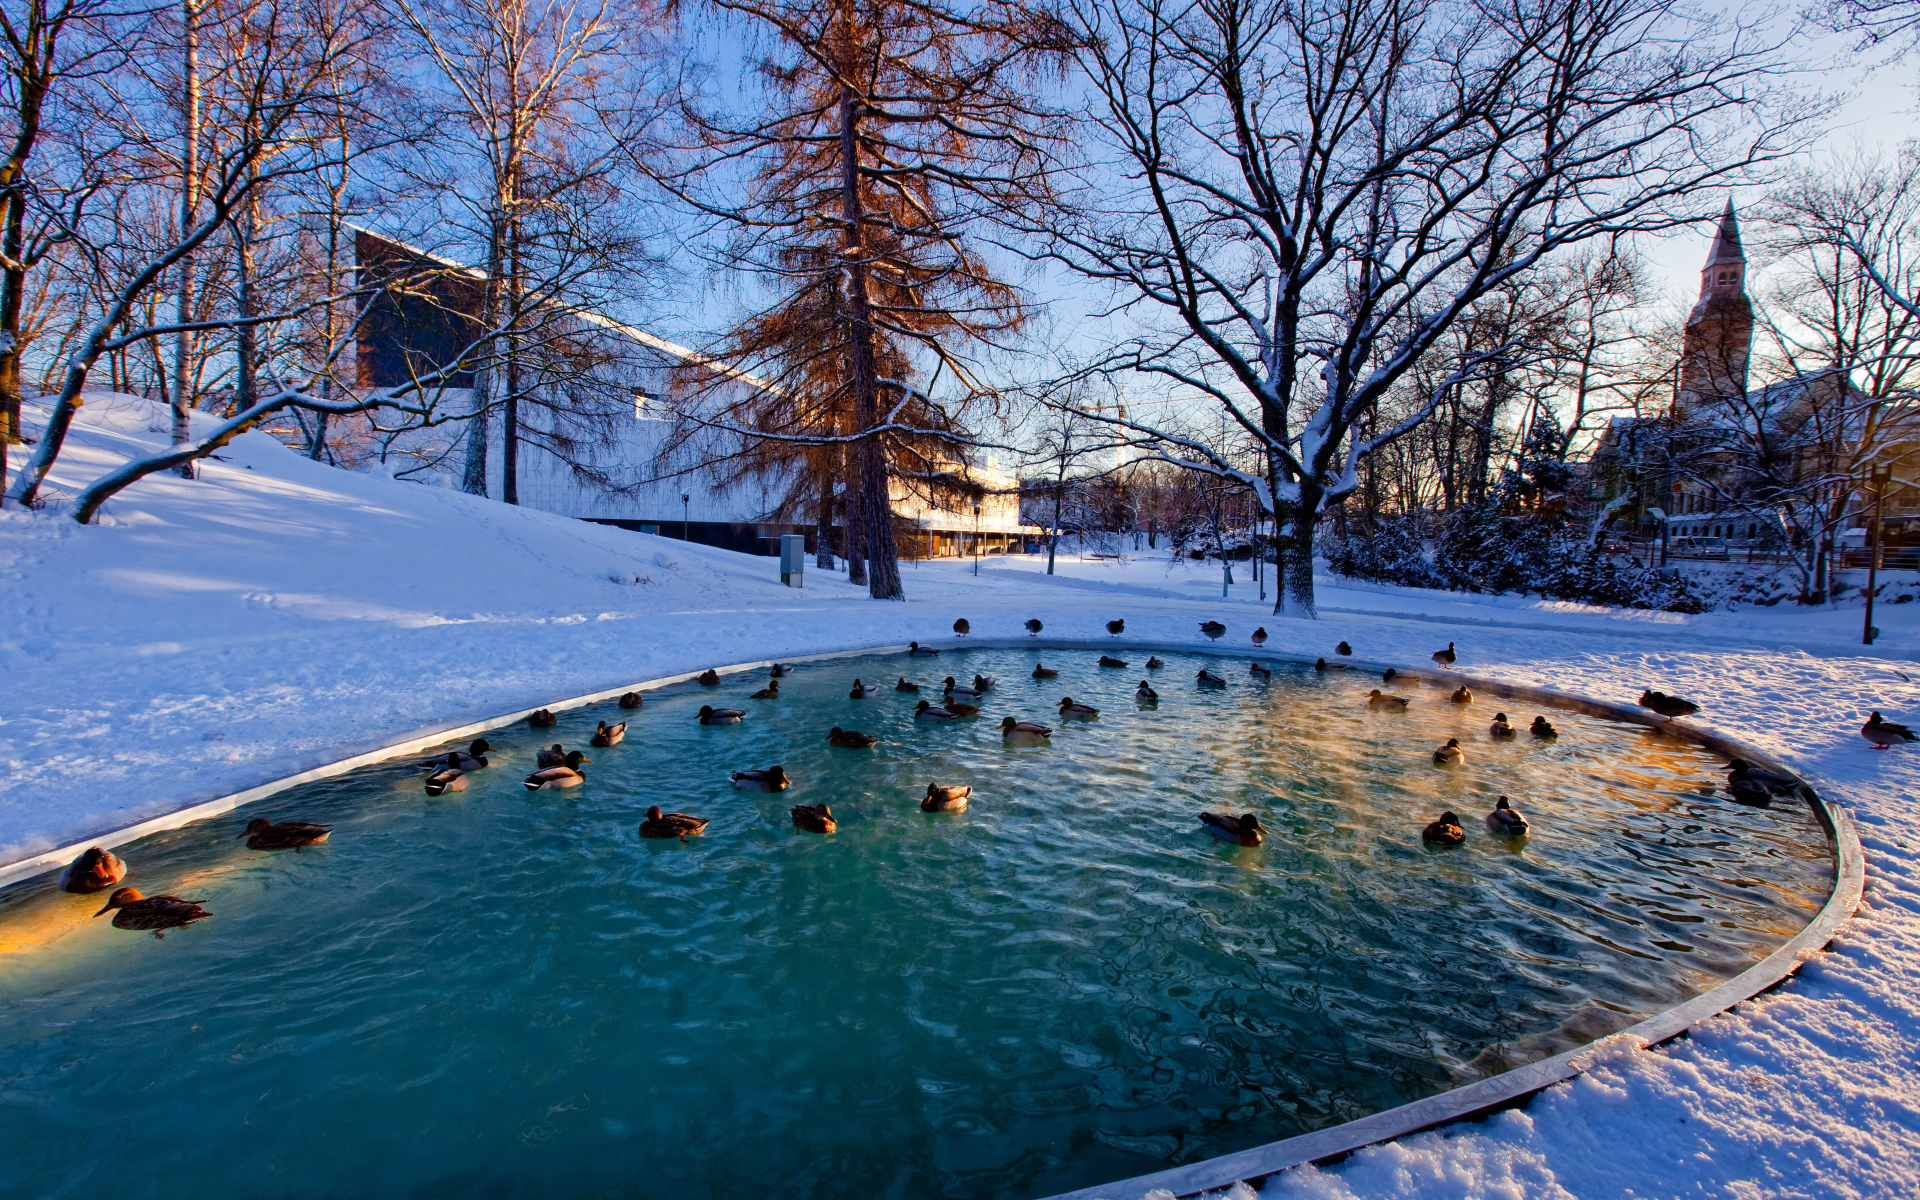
x: 503, y: 993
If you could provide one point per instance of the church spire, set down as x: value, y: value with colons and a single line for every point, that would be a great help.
x: 1719, y: 331
x: 1726, y: 269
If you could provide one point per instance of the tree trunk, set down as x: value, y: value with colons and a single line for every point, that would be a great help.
x: 13, y: 280
x: 473, y: 479
x: 823, y: 523
x: 189, y: 211
x: 876, y: 512
x: 510, y: 420
x: 1293, y: 580
x: 856, y: 547
x: 246, y: 338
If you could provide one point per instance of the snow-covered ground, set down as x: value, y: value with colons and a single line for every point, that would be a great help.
x: 276, y: 614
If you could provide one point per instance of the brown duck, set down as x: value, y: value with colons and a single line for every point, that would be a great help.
x: 671, y: 825
x: 157, y: 913
x: 632, y: 700
x: 262, y: 834
x: 608, y: 735
x: 543, y: 719
x: 948, y: 798
x: 95, y: 870
x: 813, y: 818
x: 1444, y: 832
x: 851, y: 739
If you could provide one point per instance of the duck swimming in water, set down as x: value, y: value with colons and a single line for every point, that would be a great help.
x: 156, y: 913
x: 1501, y: 727
x: 851, y: 739
x: 708, y: 678
x: 1243, y: 830
x: 543, y: 719
x: 552, y: 757
x: 1504, y: 820
x: 446, y: 779
x: 813, y: 818
x: 632, y: 700
x: 769, y: 692
x: 1024, y: 733
x: 916, y: 650
x: 1107, y: 660
x: 1207, y: 678
x: 945, y: 798
x: 608, y: 735
x: 779, y: 671
x: 1040, y: 672
x: 1462, y: 695
x: 1444, y: 832
x: 96, y: 870
x: 671, y: 825
x: 709, y: 715
x: 473, y: 758
x: 1379, y: 699
x: 1779, y: 785
x: 1154, y: 663
x: 904, y: 686
x: 863, y: 691
x: 1145, y: 694
x: 983, y: 683
x: 1260, y: 670
x: 767, y: 779
x: 924, y: 711
x: 567, y: 774
x: 1321, y: 664
x: 961, y: 689
x: 1450, y: 755
x: 1069, y: 709
x: 262, y: 834
x: 1543, y: 728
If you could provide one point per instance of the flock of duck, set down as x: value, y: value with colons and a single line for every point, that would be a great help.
x: 97, y: 870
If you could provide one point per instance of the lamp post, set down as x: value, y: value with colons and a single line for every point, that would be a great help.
x: 976, y: 537
x: 686, y: 509
x: 1880, y: 476
x: 1666, y: 527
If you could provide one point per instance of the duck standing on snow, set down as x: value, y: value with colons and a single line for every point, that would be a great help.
x: 1462, y: 695
x: 768, y: 779
x: 769, y: 692
x: 1085, y: 712
x: 1145, y: 694
x: 916, y: 650
x: 1260, y: 671
x: 1213, y: 629
x: 608, y: 735
x: 851, y: 739
x: 567, y: 774
x: 1107, y: 660
x: 671, y: 825
x: 813, y: 818
x: 1543, y: 728
x: 1501, y: 727
x: 1154, y: 663
x: 1343, y: 648
x: 945, y: 798
x: 1379, y: 699
x: 1667, y: 706
x: 1444, y: 832
x: 543, y: 719
x: 1040, y: 672
x: 1504, y: 820
x: 862, y: 691
x: 1207, y: 678
x: 156, y: 913
x: 632, y: 700
x: 1884, y: 733
x: 1024, y: 733
x: 95, y: 870
x: 262, y: 834
x: 709, y: 678
x: 1116, y: 628
x: 904, y: 686
x: 446, y: 779
x: 473, y: 758
x: 1446, y: 658
x: 1450, y: 755
x: 1260, y: 636
x: 1243, y: 830
x: 961, y: 628
x: 709, y: 715
x: 1034, y: 627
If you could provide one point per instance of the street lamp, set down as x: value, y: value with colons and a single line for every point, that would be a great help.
x: 1880, y: 477
x: 976, y: 537
x: 686, y: 508
x: 1666, y: 526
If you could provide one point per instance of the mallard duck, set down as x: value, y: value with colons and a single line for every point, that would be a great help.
x: 1260, y: 671
x: 1444, y: 832
x: 1116, y: 627
x: 1387, y: 675
x: 1667, y: 706
x: 1883, y: 733
x: 1145, y: 694
x: 632, y: 700
x: 553, y: 757
x: 768, y: 779
x: 1450, y: 755
x: 157, y: 913
x: 1779, y: 785
x: 95, y: 870
x: 957, y: 708
x: 1321, y: 664
x: 851, y: 739
x: 473, y: 758
x: 983, y: 683
x: 1154, y: 663
x: 945, y: 797
x: 1504, y: 820
x: 959, y: 689
x: 1040, y: 672
x: 779, y: 671
x: 1446, y: 658
x: 1343, y: 648
x: 446, y: 779
x: 1462, y: 695
x: 1379, y: 699
x: 1207, y: 678
x: 567, y: 774
x: 961, y: 628
x: 608, y: 735
x: 543, y: 719
x: 769, y: 692
x: 1501, y: 728
x: 1749, y: 791
x: 1107, y: 660
x: 904, y: 686
x: 1213, y: 629
x: 708, y: 678
x: 671, y: 825
x: 915, y: 649
x: 709, y: 715
x: 1243, y: 830
x: 1068, y: 708
x: 813, y: 818
x: 1543, y: 728
x: 1260, y: 636
x: 863, y: 691
x: 1024, y: 733
x: 262, y: 834
x: 1034, y: 627
x: 924, y: 711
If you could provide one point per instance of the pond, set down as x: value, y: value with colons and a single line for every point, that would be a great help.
x: 508, y: 993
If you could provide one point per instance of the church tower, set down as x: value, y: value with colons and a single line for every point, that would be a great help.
x: 1719, y: 332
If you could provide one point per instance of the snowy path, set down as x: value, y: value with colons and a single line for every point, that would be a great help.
x: 278, y: 614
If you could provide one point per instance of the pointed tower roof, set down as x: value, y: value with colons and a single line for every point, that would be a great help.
x: 1726, y: 244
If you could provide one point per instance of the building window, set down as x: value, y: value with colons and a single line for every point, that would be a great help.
x: 647, y: 406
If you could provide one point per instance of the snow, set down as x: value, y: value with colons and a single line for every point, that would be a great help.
x: 277, y: 614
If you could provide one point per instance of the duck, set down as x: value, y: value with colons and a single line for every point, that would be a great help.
x: 1260, y: 636
x: 1749, y: 791
x: 957, y: 708
x: 473, y: 758
x: 961, y: 628
x: 983, y: 683
x: 708, y: 678
x: 1260, y: 670
x: 1462, y: 695
x: 779, y: 671
x: 1034, y: 627
x: 1387, y: 675
x: 542, y: 719
x: 671, y: 825
x: 262, y: 834
x: 1505, y: 820
x: 446, y: 779
x: 1450, y: 755
x: 1444, y: 832
x: 157, y: 913
x: 862, y: 691
x: 1667, y: 706
x: 1116, y: 627
x: 1446, y: 658
x: 1213, y: 629
x: 632, y: 700
x: 608, y: 735
x: 1321, y: 664
x: 1107, y: 660
x: 1884, y: 733
x: 1145, y: 694
x: 1040, y: 672
x: 1207, y: 678
x: 769, y: 692
x: 960, y: 689
x: 851, y: 739
x: 924, y: 711
x: 916, y: 650
x: 542, y: 759
x: 1024, y: 733
x: 1086, y: 712
x: 709, y: 715
x: 1779, y: 785
x: 96, y: 870
x: 1154, y: 663
x: 813, y: 818
x: 1343, y: 649
x: 1501, y: 727
x: 567, y: 774
x: 945, y: 797
x: 1543, y: 728
x: 904, y: 686
x: 1243, y: 830
x: 768, y: 779
x: 1379, y: 699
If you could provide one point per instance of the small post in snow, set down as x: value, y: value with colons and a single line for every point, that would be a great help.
x: 793, y: 559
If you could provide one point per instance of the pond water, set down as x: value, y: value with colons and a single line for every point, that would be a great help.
x: 507, y: 993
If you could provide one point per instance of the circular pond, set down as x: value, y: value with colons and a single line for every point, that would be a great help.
x: 508, y: 993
